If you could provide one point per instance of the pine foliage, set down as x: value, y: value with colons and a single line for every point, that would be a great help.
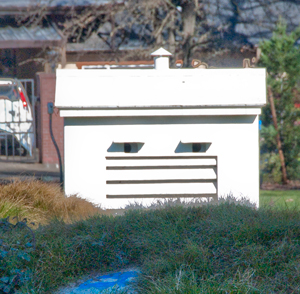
x: 281, y: 56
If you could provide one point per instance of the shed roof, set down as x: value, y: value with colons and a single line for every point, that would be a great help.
x: 33, y: 37
x: 190, y: 89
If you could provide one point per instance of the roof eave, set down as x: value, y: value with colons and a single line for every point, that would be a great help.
x: 16, y: 44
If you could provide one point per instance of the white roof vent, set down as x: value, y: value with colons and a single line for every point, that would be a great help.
x: 161, y: 58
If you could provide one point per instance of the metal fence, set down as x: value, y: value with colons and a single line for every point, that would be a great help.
x: 18, y: 128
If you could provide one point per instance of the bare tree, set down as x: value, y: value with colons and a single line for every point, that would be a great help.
x: 184, y: 27
x: 179, y: 25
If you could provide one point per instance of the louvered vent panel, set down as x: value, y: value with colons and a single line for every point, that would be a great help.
x: 161, y: 177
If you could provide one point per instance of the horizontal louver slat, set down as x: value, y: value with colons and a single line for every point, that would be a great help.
x: 158, y: 157
x: 162, y: 162
x: 132, y: 196
x: 162, y: 188
x: 151, y: 174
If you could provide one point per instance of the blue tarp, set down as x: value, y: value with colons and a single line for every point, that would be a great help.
x: 115, y: 281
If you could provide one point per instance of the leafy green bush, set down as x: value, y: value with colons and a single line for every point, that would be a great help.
x: 16, y: 245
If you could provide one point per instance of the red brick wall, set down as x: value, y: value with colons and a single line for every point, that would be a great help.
x: 46, y: 89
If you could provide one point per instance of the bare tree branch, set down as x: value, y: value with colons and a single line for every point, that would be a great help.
x: 182, y: 26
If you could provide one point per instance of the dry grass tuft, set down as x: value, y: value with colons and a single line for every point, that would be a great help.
x: 40, y: 202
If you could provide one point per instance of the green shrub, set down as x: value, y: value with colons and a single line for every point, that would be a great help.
x: 16, y: 246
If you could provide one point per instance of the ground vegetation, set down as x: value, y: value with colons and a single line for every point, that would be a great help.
x: 229, y: 247
x: 39, y: 202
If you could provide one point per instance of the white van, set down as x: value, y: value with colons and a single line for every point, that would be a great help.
x: 16, y: 119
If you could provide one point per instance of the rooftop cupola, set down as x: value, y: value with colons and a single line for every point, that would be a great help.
x: 161, y: 58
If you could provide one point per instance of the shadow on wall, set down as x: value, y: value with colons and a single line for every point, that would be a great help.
x: 127, y: 147
x: 195, y: 147
x: 95, y: 121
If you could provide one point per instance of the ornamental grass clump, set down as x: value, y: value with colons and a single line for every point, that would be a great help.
x: 39, y: 202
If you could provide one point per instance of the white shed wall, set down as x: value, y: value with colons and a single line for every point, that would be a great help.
x: 234, y: 141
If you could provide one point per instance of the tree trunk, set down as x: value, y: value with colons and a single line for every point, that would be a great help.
x: 278, y: 141
x: 63, y: 59
x: 189, y: 22
x: 172, y: 41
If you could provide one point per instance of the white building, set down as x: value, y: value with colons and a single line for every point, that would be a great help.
x: 135, y: 135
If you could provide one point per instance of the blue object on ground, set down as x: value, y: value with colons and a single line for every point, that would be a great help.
x: 109, y: 283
